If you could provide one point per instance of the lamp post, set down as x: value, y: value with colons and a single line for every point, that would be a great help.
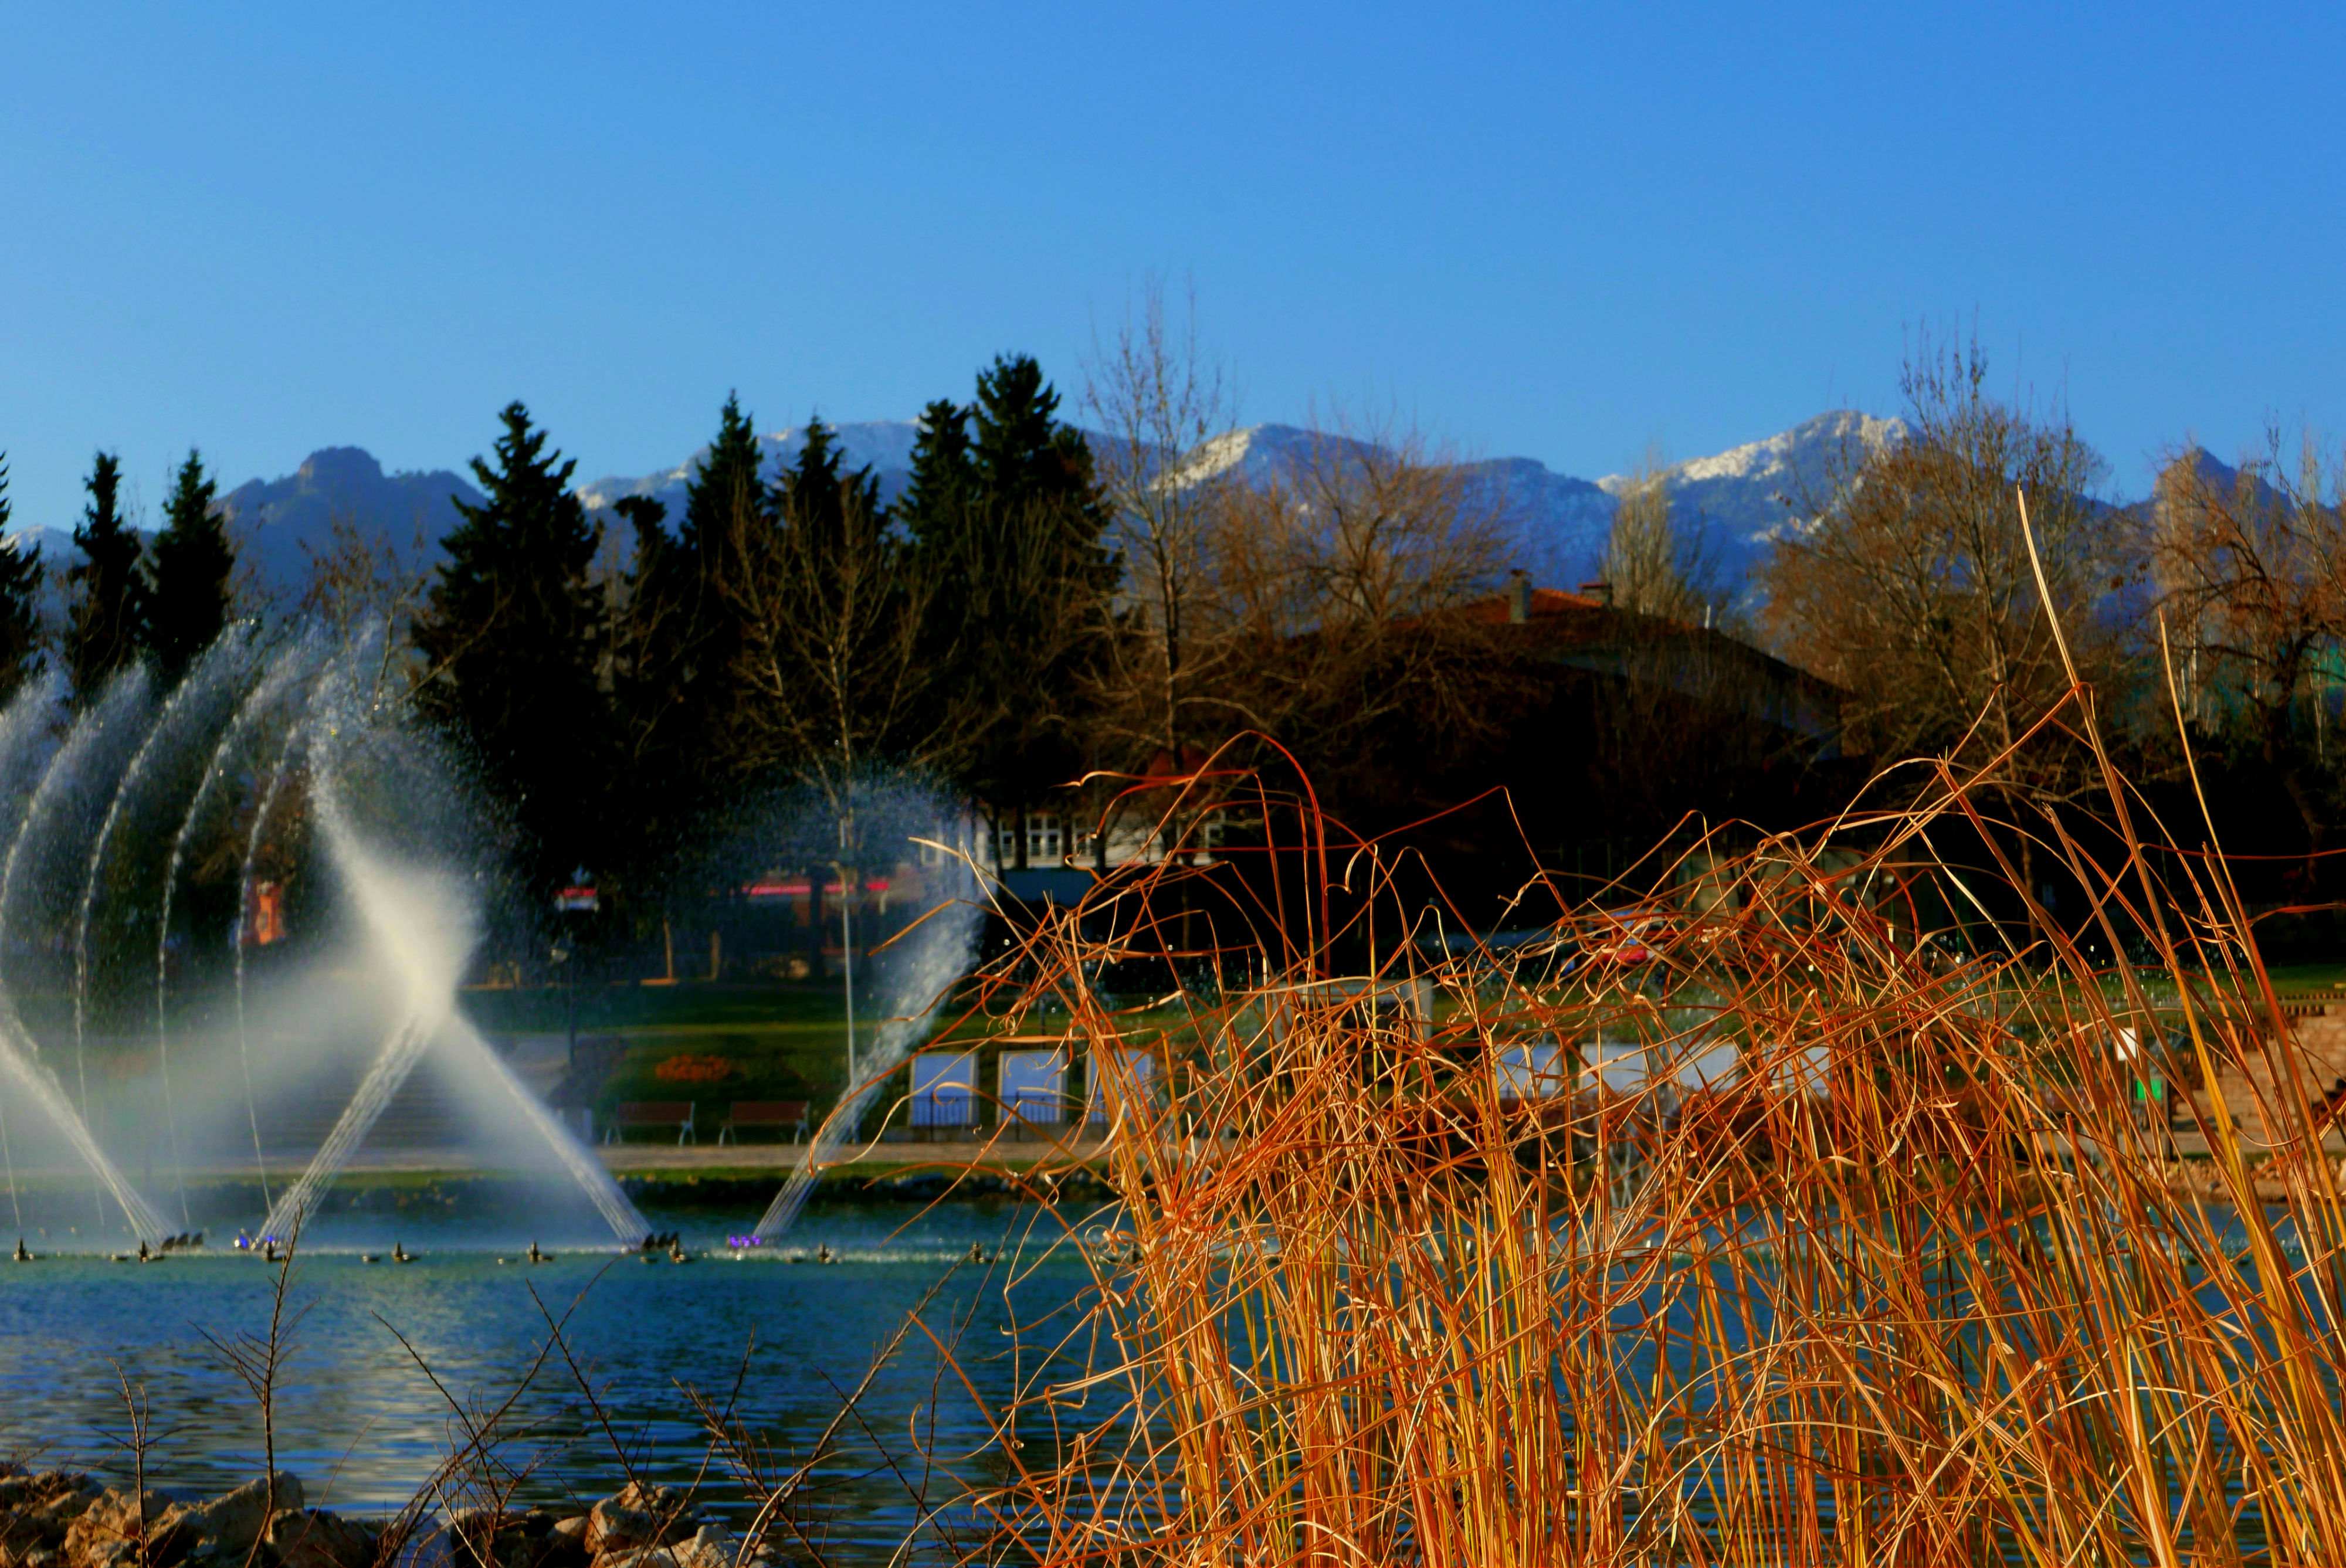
x: 846, y: 933
x: 579, y: 896
x: 561, y: 956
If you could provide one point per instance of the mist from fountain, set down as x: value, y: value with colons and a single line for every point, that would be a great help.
x: 19, y: 1060
x: 240, y: 937
x: 461, y: 1041
x: 422, y: 925
x: 112, y: 712
x: 296, y: 664
x: 225, y: 660
x: 129, y: 789
x: 322, y: 683
x: 931, y: 958
x: 66, y: 769
x: 24, y: 723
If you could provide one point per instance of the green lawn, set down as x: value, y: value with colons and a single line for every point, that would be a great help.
x: 726, y: 1042
x: 718, y: 1043
x: 2292, y: 979
x: 765, y: 1041
x: 612, y: 1009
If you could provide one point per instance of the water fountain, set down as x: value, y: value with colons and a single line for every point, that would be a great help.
x: 424, y: 925
x: 265, y: 748
x: 292, y: 671
x: 930, y: 958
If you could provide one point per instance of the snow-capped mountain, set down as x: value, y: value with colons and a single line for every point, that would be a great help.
x: 1739, y: 501
x: 884, y: 445
x: 1736, y: 501
x: 1557, y: 523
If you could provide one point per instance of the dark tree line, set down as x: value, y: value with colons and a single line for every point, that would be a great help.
x: 1038, y: 606
x: 791, y: 629
x: 124, y: 601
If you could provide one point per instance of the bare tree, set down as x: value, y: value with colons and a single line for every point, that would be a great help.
x: 833, y: 662
x: 1336, y: 588
x: 363, y: 575
x: 1911, y: 589
x: 1655, y: 566
x: 2251, y: 571
x: 1162, y: 409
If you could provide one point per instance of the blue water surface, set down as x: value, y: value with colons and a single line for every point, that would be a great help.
x: 365, y: 1420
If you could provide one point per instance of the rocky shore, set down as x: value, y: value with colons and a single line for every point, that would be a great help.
x: 65, y: 1519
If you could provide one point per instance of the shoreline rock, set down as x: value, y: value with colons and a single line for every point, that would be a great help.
x: 69, y: 1519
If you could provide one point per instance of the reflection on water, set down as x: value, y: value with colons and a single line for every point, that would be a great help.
x: 365, y: 1427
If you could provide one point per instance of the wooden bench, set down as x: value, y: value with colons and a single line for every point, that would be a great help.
x: 660, y: 1114
x: 781, y: 1115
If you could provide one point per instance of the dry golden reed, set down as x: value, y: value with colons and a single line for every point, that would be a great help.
x: 1924, y: 1278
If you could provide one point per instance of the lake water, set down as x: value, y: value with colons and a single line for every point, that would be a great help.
x: 363, y: 1425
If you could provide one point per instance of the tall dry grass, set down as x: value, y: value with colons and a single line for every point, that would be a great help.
x: 1919, y: 1282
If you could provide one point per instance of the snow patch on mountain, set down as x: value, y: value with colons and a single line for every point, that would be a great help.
x: 1555, y: 523
x: 883, y: 446
x: 1738, y: 502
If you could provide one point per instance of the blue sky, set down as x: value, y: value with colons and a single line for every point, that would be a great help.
x: 1566, y: 232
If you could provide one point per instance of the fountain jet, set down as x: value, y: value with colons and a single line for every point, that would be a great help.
x: 116, y: 709
x: 422, y: 925
x: 942, y: 949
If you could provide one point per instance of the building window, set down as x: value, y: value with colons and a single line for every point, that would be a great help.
x: 1046, y: 840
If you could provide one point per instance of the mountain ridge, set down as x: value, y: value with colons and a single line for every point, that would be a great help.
x: 1736, y: 501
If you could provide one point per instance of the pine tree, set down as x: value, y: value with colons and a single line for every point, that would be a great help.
x: 105, y: 610
x: 728, y: 527
x: 684, y: 709
x: 512, y: 630
x: 938, y: 490
x: 189, y: 570
x: 20, y: 602
x: 813, y: 493
x: 646, y: 697
x: 1022, y: 453
x: 645, y: 518
x: 1007, y: 525
x: 725, y: 499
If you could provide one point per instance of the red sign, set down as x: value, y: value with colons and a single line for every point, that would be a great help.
x: 802, y: 889
x: 265, y: 920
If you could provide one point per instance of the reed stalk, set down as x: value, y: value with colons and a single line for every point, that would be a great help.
x: 1917, y: 1283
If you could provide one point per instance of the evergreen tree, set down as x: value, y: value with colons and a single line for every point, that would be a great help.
x: 20, y: 601
x: 105, y: 609
x: 511, y: 629
x: 1024, y: 457
x: 1006, y: 526
x: 189, y: 570
x: 725, y: 499
x: 814, y: 495
x: 938, y: 490
x: 728, y: 527
x: 645, y: 518
x: 682, y: 712
x: 646, y: 697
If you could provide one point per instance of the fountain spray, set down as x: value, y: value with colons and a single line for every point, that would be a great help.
x: 938, y: 952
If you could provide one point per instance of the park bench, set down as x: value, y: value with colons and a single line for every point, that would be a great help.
x: 661, y: 1114
x: 781, y: 1115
